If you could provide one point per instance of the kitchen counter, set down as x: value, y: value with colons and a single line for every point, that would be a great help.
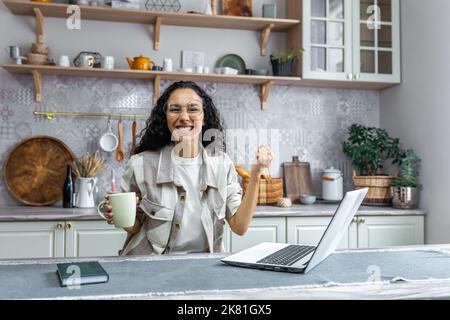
x: 53, y: 213
x: 416, y: 272
x: 325, y: 209
x: 49, y: 213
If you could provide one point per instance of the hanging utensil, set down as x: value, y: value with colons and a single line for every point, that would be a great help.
x: 133, y: 137
x: 108, y: 141
x: 120, y: 152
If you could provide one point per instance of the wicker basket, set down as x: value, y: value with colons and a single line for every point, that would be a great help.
x: 270, y: 191
x: 379, y: 188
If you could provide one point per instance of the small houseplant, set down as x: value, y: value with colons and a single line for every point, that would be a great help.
x: 368, y: 148
x: 405, y: 187
x: 283, y: 63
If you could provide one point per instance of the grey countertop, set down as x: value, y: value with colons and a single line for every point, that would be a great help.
x: 52, y: 213
x: 164, y: 277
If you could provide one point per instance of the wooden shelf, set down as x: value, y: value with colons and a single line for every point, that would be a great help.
x: 147, y: 75
x: 156, y: 76
x: 23, y: 7
x: 266, y: 82
x: 157, y: 18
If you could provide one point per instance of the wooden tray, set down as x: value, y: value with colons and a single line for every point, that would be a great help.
x: 35, y: 170
x: 297, y: 178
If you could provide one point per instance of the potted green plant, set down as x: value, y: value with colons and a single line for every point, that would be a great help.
x: 283, y: 63
x: 405, y: 187
x: 368, y: 148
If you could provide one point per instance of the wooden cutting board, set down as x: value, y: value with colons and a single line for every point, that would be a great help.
x: 297, y: 179
x: 35, y: 170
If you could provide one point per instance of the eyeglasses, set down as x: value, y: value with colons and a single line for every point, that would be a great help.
x: 193, y: 108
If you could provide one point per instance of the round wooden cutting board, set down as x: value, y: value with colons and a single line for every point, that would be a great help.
x: 35, y: 170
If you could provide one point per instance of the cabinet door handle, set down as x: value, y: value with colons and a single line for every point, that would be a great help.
x: 361, y: 220
x: 350, y: 76
x: 357, y: 76
x: 68, y: 225
x: 59, y: 226
x: 355, y: 219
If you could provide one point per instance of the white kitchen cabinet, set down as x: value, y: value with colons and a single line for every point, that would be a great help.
x: 309, y: 231
x: 351, y: 40
x: 386, y: 231
x: 93, y: 238
x: 363, y: 232
x: 43, y: 239
x: 262, y: 229
x: 54, y: 239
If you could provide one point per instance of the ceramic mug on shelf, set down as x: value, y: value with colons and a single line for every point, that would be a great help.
x: 168, y: 65
x: 123, y: 207
x: 64, y: 61
x: 198, y: 69
x: 108, y: 62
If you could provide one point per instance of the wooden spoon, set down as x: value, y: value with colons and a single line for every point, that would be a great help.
x: 133, y: 138
x: 120, y: 152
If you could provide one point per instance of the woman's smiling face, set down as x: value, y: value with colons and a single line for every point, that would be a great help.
x: 184, y: 114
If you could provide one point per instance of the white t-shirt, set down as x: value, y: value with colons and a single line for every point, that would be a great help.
x: 191, y: 237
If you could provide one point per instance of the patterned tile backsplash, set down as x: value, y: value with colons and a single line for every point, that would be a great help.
x: 307, y: 122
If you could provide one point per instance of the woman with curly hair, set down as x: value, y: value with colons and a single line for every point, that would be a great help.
x: 186, y: 184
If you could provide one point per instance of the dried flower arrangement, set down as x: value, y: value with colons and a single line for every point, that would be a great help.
x: 89, y: 166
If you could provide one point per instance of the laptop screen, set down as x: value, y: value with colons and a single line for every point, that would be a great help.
x: 337, y: 227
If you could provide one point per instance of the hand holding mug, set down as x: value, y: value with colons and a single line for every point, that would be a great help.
x: 120, y: 210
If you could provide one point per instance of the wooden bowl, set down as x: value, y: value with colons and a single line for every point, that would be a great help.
x: 40, y: 48
x: 37, y: 59
x: 270, y: 191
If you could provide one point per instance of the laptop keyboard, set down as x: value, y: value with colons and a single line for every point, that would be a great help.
x: 288, y: 255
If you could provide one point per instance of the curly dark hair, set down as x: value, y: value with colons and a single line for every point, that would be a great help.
x: 156, y: 134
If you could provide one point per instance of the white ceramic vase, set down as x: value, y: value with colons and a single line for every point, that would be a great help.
x: 85, y: 192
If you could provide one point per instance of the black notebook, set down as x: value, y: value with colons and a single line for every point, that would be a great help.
x: 77, y: 273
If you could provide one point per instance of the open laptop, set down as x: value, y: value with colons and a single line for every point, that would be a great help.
x: 300, y: 258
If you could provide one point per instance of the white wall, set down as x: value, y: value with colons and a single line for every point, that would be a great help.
x: 125, y: 39
x: 418, y: 111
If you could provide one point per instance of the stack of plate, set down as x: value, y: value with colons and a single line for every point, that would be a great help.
x: 232, y: 61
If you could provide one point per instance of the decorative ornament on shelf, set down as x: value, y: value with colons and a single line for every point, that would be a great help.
x: 241, y: 8
x: 163, y: 5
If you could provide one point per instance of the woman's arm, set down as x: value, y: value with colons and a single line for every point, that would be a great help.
x: 242, y: 219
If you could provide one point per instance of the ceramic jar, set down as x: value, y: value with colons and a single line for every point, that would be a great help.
x: 332, y: 185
